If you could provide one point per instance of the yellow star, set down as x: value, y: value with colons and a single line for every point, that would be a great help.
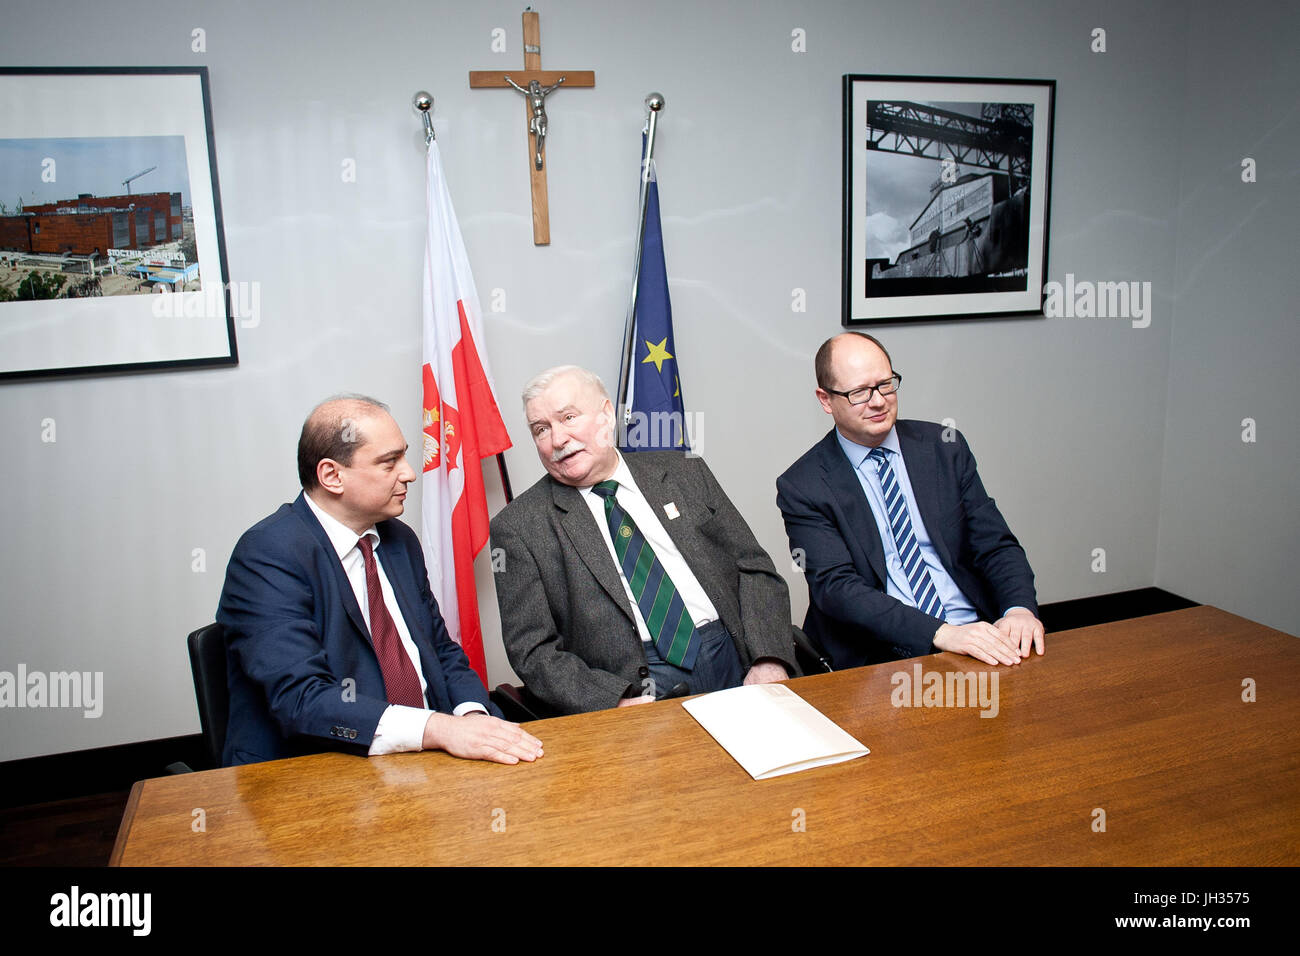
x: 657, y: 354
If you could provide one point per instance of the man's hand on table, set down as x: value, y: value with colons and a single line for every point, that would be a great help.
x: 1020, y: 625
x: 480, y: 736
x: 766, y: 672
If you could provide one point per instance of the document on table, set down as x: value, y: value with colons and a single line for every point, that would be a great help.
x: 771, y: 730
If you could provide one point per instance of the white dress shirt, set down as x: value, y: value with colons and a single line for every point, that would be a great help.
x: 632, y: 502
x: 400, y: 728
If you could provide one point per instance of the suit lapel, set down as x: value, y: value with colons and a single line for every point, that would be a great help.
x: 846, y: 488
x: 588, y: 542
x: 922, y: 472
x: 401, y: 576
x: 341, y: 579
x: 653, y: 481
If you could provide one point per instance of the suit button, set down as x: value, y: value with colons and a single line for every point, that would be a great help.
x: 352, y: 735
x: 643, y: 671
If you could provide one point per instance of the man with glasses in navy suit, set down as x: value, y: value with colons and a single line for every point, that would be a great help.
x: 904, y: 552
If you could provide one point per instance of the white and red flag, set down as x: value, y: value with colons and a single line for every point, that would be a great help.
x: 462, y: 424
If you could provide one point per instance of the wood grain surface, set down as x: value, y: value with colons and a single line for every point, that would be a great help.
x: 1143, y: 719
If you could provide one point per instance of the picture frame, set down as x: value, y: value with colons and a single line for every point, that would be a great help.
x: 946, y: 197
x: 112, y: 247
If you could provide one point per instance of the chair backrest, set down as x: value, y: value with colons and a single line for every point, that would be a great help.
x: 808, y: 654
x: 208, y: 662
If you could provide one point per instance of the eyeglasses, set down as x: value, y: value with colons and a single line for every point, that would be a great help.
x: 860, y: 396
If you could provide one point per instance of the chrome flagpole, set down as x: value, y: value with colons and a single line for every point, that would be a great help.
x: 654, y: 102
x: 422, y: 103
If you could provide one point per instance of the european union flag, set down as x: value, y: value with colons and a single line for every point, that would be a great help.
x: 658, y: 419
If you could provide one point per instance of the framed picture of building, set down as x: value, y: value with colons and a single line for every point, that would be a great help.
x: 946, y: 194
x: 112, y: 253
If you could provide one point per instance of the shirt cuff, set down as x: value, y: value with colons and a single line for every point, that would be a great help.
x: 1015, y: 607
x: 400, y: 729
x: 469, y: 707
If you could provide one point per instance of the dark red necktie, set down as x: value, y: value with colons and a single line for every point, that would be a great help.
x: 400, y: 680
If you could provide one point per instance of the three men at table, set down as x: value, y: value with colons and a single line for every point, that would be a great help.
x: 905, y: 554
x: 623, y: 577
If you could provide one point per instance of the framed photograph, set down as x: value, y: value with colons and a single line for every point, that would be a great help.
x: 946, y: 189
x: 112, y: 256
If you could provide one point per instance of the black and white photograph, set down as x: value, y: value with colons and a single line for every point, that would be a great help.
x: 945, y: 197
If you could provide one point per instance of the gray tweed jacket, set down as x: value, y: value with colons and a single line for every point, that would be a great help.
x: 566, y: 620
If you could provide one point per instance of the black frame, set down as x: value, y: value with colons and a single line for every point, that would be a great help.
x: 943, y: 298
x: 231, y: 357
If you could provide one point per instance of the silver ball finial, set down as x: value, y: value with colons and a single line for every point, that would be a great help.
x: 422, y: 101
x: 655, y: 102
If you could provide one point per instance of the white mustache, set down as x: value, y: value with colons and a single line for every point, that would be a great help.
x: 571, y: 448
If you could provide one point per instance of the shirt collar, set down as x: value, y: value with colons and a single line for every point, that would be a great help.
x: 856, y: 453
x: 343, y: 538
x: 622, y: 474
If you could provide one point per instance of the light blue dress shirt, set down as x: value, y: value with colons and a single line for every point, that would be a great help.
x: 957, y: 608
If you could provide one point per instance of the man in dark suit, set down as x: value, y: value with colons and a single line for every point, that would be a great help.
x: 624, y: 577
x: 334, y: 640
x: 903, y: 551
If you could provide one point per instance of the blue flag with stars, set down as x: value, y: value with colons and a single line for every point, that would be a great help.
x: 658, y: 419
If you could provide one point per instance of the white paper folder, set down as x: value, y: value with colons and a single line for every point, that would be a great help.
x: 771, y: 730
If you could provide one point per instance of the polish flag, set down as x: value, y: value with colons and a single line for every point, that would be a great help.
x: 462, y: 424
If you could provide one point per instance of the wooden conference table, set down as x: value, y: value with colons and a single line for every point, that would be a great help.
x: 1142, y: 719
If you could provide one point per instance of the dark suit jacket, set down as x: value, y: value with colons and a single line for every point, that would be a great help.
x: 828, y: 518
x: 294, y: 633
x: 565, y: 618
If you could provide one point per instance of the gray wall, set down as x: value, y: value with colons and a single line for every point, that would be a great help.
x: 1069, y: 417
x: 1230, y: 508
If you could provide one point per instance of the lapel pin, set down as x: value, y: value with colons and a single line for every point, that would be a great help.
x: 671, y: 511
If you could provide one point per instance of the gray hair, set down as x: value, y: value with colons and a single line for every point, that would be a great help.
x: 541, y: 382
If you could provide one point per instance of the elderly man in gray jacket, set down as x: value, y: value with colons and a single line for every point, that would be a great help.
x: 624, y: 577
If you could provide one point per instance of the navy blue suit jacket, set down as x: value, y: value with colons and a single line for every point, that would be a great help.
x: 295, y: 633
x: 828, y: 516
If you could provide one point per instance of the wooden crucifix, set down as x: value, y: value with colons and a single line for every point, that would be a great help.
x: 535, y: 84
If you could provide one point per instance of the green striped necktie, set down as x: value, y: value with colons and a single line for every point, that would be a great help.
x: 666, y: 617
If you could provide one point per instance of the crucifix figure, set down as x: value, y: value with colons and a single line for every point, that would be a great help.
x: 537, y: 101
x: 535, y: 84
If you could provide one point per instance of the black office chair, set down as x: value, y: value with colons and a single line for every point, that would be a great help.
x: 207, y: 648
x: 518, y: 704
x: 810, y: 658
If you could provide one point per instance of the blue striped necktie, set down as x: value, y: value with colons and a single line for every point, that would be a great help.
x: 666, y: 617
x: 909, y: 552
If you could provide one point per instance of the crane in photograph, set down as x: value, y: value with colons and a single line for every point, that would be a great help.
x: 999, y: 140
x: 127, y: 182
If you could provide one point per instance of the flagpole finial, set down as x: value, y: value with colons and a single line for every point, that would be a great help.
x: 654, y: 102
x: 422, y: 102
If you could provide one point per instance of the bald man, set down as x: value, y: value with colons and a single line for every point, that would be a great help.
x: 905, y: 554
x: 334, y: 640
